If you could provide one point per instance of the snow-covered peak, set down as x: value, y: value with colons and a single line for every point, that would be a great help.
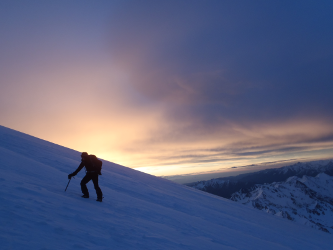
x: 292, y: 179
x: 323, y: 177
x: 306, y: 200
x: 226, y: 186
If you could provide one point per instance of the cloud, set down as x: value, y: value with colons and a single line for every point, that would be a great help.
x: 216, y: 62
x: 175, y: 83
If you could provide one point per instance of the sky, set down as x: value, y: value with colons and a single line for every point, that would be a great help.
x: 172, y: 88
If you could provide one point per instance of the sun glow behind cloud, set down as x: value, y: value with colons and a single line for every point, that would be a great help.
x: 169, y: 88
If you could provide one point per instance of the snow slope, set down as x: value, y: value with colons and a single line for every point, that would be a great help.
x: 139, y: 211
x: 306, y: 200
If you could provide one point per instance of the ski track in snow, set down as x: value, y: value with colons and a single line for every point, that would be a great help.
x: 139, y: 211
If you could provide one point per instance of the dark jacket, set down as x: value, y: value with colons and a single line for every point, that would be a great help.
x: 85, y: 163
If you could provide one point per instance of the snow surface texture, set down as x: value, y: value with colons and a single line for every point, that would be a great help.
x: 307, y: 200
x: 139, y: 211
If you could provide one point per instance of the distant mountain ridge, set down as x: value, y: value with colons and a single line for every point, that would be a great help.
x: 226, y: 186
x: 306, y: 200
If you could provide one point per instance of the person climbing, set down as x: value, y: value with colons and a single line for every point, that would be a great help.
x: 93, y: 169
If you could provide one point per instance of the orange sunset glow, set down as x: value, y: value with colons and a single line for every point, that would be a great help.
x: 170, y: 88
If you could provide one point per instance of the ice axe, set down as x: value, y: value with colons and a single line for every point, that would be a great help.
x: 68, y: 183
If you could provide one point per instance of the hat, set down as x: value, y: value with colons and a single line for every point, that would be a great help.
x: 84, y: 154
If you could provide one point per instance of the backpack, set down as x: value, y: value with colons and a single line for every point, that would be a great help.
x: 97, y: 164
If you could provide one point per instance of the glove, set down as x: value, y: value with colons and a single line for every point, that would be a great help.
x: 70, y: 176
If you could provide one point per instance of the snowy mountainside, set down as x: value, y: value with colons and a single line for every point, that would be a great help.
x: 226, y: 186
x: 306, y: 200
x: 139, y: 211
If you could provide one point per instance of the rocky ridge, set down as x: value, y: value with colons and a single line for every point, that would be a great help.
x: 306, y: 200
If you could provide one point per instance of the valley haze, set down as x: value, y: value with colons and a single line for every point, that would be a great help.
x: 234, y: 171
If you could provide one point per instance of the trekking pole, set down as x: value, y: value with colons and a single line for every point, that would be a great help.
x: 68, y: 184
